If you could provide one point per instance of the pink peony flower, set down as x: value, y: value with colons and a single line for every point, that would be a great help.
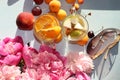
x: 77, y: 62
x: 65, y: 74
x: 29, y: 74
x: 28, y: 55
x: 46, y: 62
x: 9, y: 72
x: 79, y: 76
x: 11, y: 50
x: 52, y: 50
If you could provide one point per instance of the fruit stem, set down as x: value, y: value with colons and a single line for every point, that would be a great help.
x: 73, y: 10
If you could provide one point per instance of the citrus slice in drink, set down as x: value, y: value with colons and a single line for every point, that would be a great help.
x: 46, y: 28
x: 59, y: 38
x: 51, y: 32
x: 75, y: 27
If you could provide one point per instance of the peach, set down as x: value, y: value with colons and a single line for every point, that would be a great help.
x: 54, y: 5
x: 61, y: 14
x: 25, y: 21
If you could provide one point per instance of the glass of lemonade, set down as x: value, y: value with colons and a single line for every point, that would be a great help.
x: 46, y: 28
x: 75, y: 27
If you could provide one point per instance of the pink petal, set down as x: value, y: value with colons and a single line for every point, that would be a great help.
x: 11, y: 59
x: 28, y: 54
x: 77, y: 62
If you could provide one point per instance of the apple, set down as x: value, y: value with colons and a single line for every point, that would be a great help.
x: 25, y: 21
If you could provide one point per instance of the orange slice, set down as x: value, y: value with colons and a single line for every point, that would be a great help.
x: 51, y: 32
x: 46, y: 28
x: 58, y: 39
x: 83, y: 41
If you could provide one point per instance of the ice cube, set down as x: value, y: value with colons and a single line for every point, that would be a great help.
x: 67, y: 23
x: 74, y: 20
x: 78, y: 26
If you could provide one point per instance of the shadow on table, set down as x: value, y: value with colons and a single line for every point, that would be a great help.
x: 103, y: 67
x: 11, y: 2
x: 88, y: 4
x: 28, y: 5
x: 27, y: 36
x: 101, y: 4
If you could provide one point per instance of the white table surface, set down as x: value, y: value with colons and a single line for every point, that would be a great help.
x: 104, y: 13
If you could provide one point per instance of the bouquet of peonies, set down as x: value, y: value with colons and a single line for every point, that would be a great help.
x: 22, y: 62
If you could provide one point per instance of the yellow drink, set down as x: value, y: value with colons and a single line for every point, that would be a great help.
x: 75, y: 27
x: 46, y: 28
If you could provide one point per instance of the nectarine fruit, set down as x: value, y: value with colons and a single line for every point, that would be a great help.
x: 25, y: 21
